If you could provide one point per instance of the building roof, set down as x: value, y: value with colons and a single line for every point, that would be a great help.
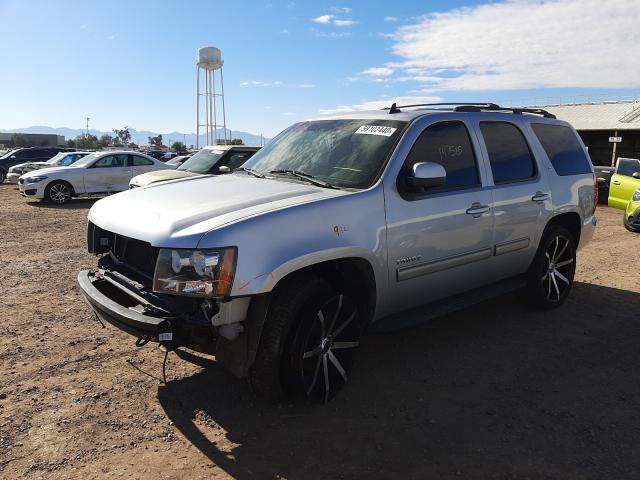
x: 619, y: 115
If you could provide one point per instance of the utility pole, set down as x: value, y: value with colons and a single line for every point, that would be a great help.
x: 88, y: 127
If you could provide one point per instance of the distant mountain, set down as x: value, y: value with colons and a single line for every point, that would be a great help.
x: 140, y: 137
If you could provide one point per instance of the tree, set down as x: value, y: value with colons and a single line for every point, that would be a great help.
x: 71, y: 143
x: 105, y: 140
x: 156, y: 141
x: 179, y: 147
x: 19, y: 140
x: 236, y: 141
x: 123, y: 135
x: 87, y: 142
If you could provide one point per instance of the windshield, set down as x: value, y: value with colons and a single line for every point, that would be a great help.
x: 343, y: 153
x: 202, y: 161
x: 54, y: 160
x: 88, y: 160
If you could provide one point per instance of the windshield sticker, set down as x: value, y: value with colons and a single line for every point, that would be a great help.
x: 376, y: 130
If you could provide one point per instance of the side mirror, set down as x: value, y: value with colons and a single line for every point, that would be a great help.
x: 636, y: 175
x: 224, y: 169
x: 601, y: 180
x: 427, y: 175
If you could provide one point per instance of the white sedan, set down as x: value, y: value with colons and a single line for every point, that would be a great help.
x: 99, y: 173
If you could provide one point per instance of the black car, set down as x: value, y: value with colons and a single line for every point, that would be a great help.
x: 603, y: 177
x: 23, y: 155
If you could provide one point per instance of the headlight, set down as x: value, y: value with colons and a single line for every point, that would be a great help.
x: 636, y: 195
x: 34, y: 179
x: 195, y: 273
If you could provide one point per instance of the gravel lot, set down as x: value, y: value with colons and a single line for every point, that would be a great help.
x: 497, y: 391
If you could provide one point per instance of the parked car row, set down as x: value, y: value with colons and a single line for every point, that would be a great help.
x: 624, y: 191
x: 23, y: 155
x: 62, y: 159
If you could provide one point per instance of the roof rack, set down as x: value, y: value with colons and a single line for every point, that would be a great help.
x: 474, y: 107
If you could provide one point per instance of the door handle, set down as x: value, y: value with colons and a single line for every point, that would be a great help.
x: 540, y: 197
x: 476, y: 209
x: 615, y: 182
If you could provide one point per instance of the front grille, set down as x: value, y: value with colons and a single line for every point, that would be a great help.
x: 135, y: 253
x: 138, y: 255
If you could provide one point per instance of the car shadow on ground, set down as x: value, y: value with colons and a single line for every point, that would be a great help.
x: 74, y: 204
x: 495, y: 391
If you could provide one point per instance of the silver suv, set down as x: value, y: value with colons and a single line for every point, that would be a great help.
x: 344, y: 224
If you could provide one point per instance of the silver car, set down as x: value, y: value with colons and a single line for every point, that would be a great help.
x: 100, y: 173
x: 62, y: 159
x: 367, y: 221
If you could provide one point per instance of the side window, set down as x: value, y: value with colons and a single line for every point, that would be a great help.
x: 563, y: 149
x: 141, y: 161
x: 509, y: 154
x: 111, y: 161
x: 237, y: 159
x: 627, y: 166
x: 448, y: 144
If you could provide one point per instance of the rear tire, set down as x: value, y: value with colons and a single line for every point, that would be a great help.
x: 308, y: 342
x: 3, y: 175
x: 550, y: 277
x: 58, y: 192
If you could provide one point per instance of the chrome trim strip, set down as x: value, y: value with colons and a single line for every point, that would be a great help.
x: 413, y: 271
x: 512, y: 246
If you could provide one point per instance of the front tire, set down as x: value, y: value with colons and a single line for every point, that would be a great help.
x: 308, y: 343
x: 551, y: 274
x: 58, y: 192
x: 628, y: 226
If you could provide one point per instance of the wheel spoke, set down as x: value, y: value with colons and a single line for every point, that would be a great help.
x: 561, y: 277
x: 549, y: 287
x: 564, y: 264
x: 557, y: 257
x: 321, y: 318
x: 326, y: 378
x: 337, y: 364
x: 335, y: 316
x: 555, y: 284
x: 344, y: 325
x: 344, y: 345
x: 555, y: 248
x: 311, y: 353
x: 315, y: 376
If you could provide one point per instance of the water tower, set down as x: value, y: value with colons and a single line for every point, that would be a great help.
x: 209, y: 61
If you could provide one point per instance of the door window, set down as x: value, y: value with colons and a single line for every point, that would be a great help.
x: 237, y: 159
x: 449, y: 144
x: 509, y: 153
x: 628, y: 166
x: 563, y: 149
x: 111, y: 161
x: 139, y: 161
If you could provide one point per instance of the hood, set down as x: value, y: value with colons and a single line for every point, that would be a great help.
x: 177, y: 214
x: 160, y: 176
x: 47, y: 171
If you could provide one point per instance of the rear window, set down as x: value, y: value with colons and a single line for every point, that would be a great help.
x: 563, y: 149
x: 509, y: 154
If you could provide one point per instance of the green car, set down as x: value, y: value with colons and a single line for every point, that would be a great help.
x: 624, y: 191
x: 631, y: 217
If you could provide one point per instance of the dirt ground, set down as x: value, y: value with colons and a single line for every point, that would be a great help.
x: 497, y: 391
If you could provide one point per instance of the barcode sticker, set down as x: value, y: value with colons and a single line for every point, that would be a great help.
x: 165, y: 337
x: 376, y: 130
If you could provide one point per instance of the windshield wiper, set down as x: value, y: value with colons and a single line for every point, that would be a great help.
x: 250, y: 171
x: 303, y: 176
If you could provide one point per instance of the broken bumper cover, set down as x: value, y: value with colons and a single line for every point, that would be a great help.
x: 123, y: 318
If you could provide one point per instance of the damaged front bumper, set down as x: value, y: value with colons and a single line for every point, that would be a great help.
x: 118, y: 302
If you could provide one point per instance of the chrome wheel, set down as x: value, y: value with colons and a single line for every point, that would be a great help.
x: 59, y: 193
x: 559, y: 268
x: 329, y: 348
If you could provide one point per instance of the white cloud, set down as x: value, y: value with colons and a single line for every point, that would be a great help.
x: 318, y: 33
x: 323, y: 19
x: 383, y: 103
x: 391, y: 19
x: 341, y: 9
x: 378, y: 71
x: 521, y: 44
x: 305, y: 85
x: 344, y: 23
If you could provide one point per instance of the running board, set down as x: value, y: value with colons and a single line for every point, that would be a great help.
x: 417, y: 316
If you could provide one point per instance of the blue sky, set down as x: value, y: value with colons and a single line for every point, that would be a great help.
x: 133, y: 62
